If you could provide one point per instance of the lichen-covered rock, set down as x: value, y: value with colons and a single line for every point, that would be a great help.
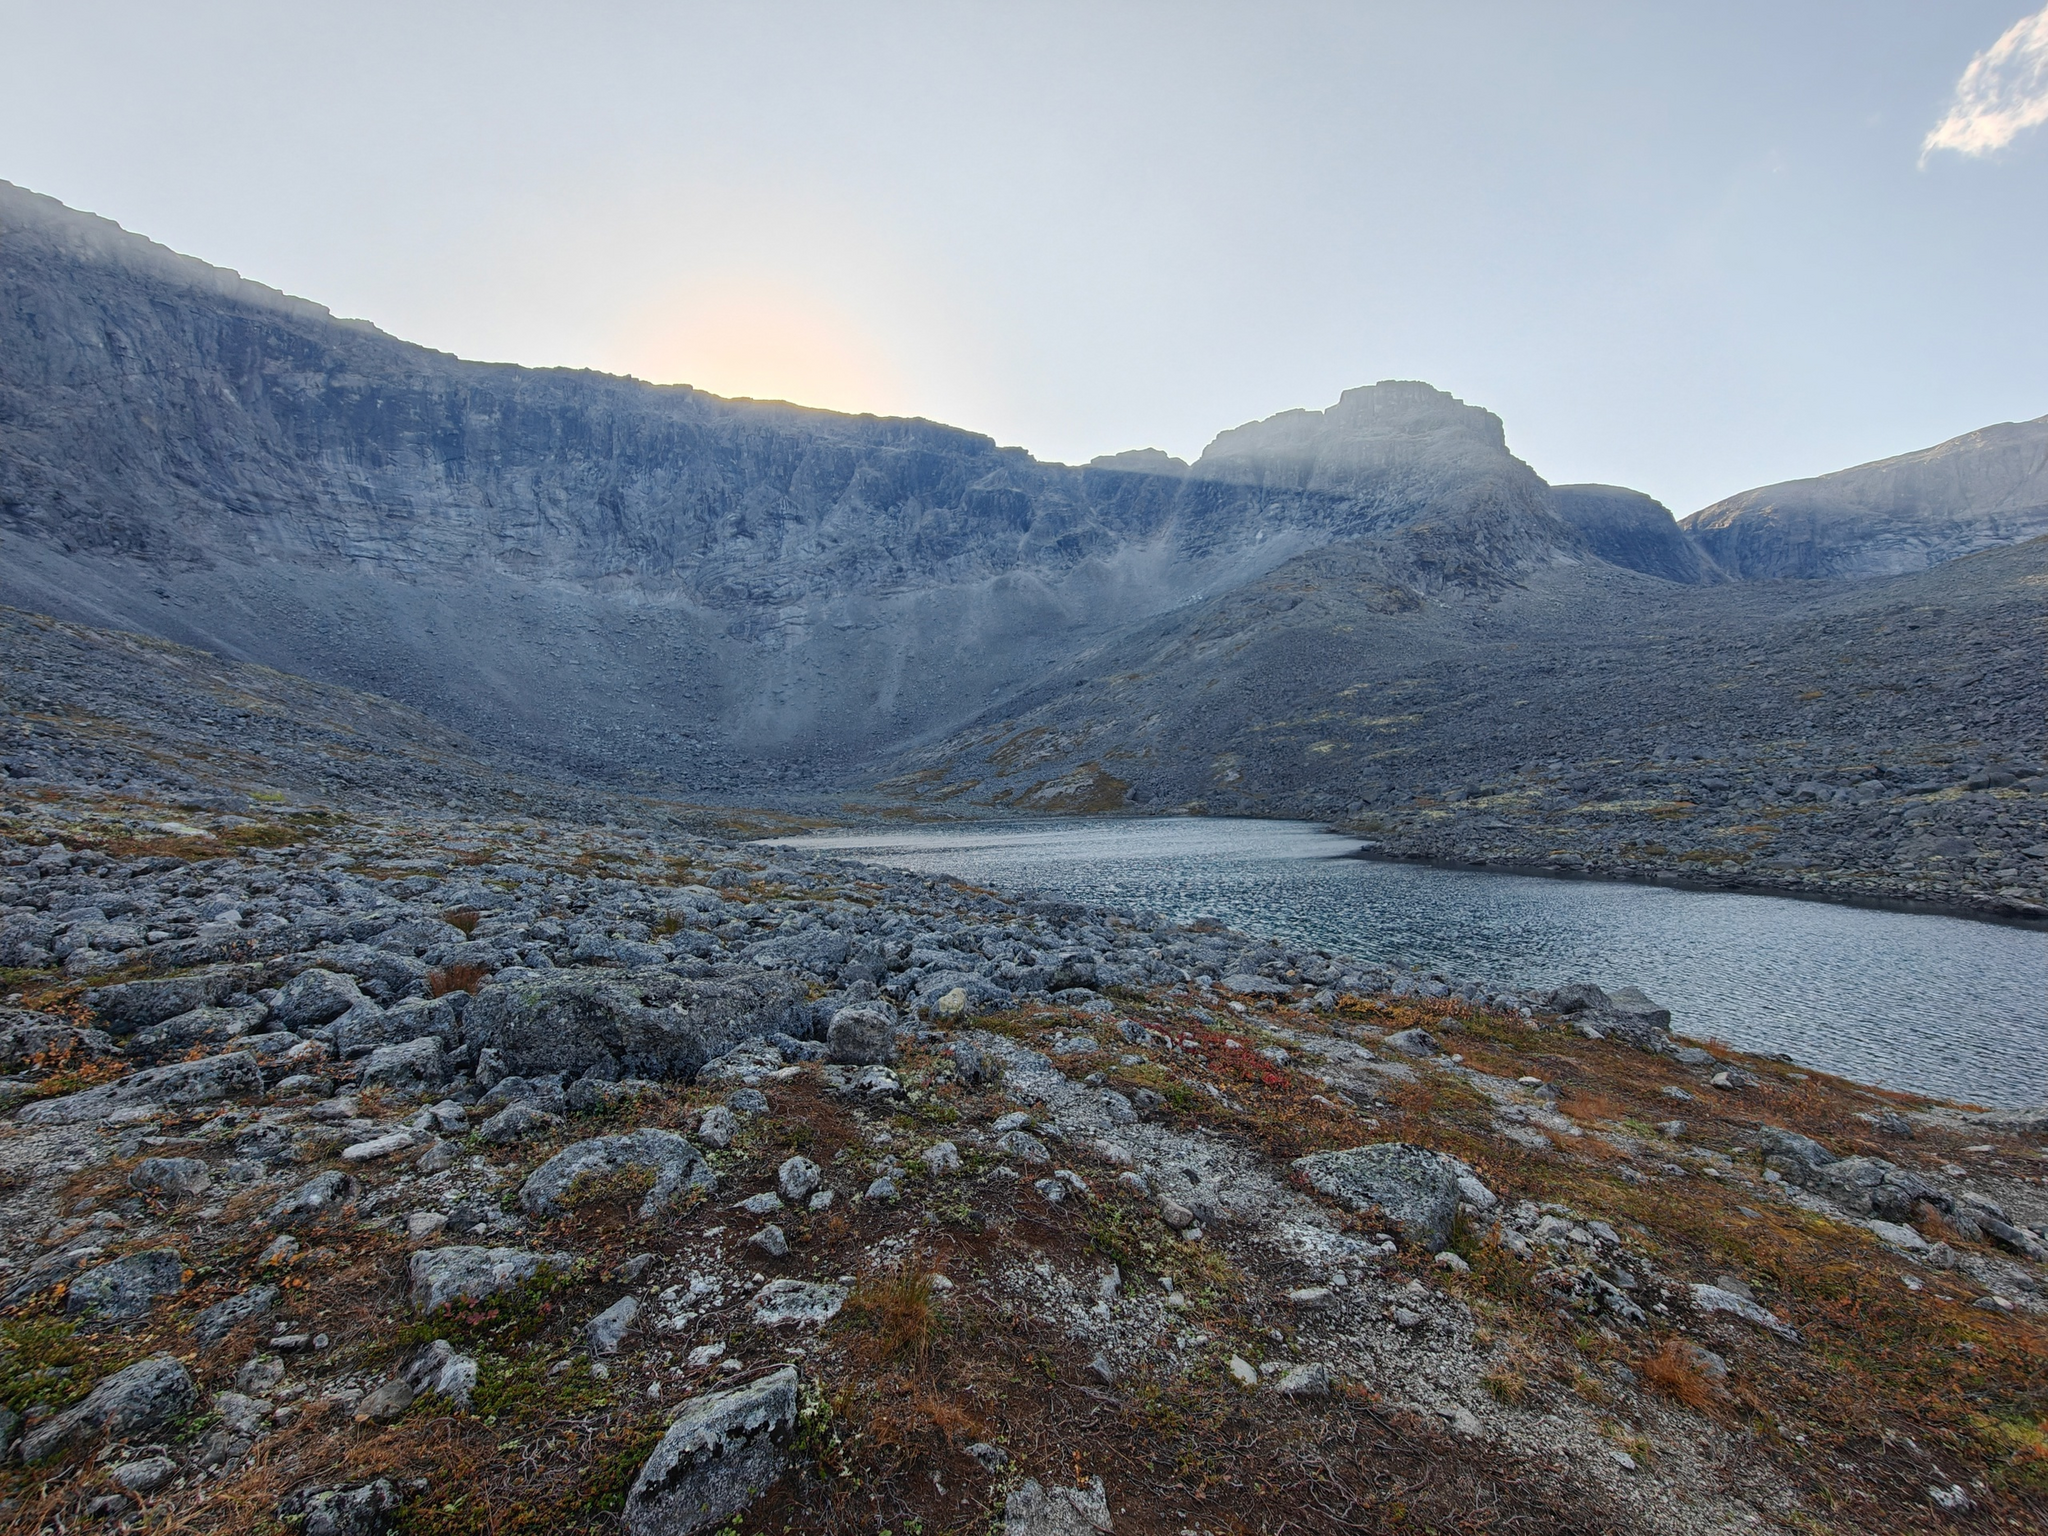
x: 718, y: 1456
x: 126, y: 1403
x: 440, y: 1276
x: 180, y: 1085
x: 223, y: 1317
x: 312, y: 998
x: 1416, y: 1189
x: 25, y: 1037
x: 172, y: 1176
x: 407, y: 1070
x: 127, y: 1287
x: 1034, y: 1510
x: 363, y: 1510
x: 641, y: 1024
x: 134, y: 1005
x: 862, y: 1036
x: 317, y: 1198
x: 676, y: 1165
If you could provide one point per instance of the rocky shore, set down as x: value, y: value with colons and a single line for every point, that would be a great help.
x: 1970, y: 836
x: 432, y: 1171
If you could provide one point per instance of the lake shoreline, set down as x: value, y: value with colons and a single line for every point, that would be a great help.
x: 1912, y: 905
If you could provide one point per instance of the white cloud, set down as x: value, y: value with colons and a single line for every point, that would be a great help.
x: 2004, y: 91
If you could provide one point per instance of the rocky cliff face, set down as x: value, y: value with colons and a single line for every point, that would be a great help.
x: 622, y: 576
x: 1977, y: 491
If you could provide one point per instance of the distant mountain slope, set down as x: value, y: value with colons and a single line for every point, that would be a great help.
x: 1973, y: 492
x: 1635, y: 531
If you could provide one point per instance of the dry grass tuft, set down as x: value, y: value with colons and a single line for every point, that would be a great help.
x: 1675, y: 1371
x: 896, y: 1315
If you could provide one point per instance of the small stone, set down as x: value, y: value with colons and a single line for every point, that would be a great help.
x: 144, y: 1476
x: 1449, y: 1260
x: 606, y: 1331
x: 822, y: 1200
x: 942, y: 1157
x: 1313, y: 1298
x: 797, y: 1177
x: 883, y: 1188
x: 1405, y: 1318
x: 771, y: 1241
x: 761, y: 1204
x: 1035, y: 1510
x: 797, y: 1301
x: 1310, y: 1380
x: 703, y: 1355
x: 1243, y: 1372
x: 1102, y: 1370
x: 1023, y: 1146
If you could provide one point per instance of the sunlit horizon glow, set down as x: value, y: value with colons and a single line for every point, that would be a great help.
x: 746, y: 337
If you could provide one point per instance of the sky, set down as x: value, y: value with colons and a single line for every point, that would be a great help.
x: 1684, y: 247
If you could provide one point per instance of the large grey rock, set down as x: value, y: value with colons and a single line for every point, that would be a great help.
x: 606, y: 1331
x: 718, y: 1456
x: 1035, y: 1510
x: 676, y: 1165
x: 1791, y: 1154
x: 440, y: 1276
x: 312, y: 998
x: 862, y: 1036
x: 1870, y: 1186
x: 26, y: 1036
x: 224, y: 1317
x: 440, y: 1367
x: 408, y: 1070
x: 173, y: 1176
x: 804, y: 1302
x: 126, y: 1288
x: 365, y: 1509
x: 642, y: 1024
x: 318, y: 1198
x: 134, y: 1005
x: 181, y: 1085
x: 1416, y: 1188
x: 127, y: 1403
x: 517, y: 1122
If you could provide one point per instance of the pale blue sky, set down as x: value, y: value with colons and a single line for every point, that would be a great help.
x: 1689, y: 248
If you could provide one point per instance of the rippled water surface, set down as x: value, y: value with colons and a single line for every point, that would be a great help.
x: 1935, y: 1005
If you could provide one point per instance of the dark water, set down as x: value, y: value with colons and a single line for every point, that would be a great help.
x: 1936, y: 1005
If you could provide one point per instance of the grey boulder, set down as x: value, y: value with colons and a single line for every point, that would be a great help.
x: 1415, y: 1188
x: 128, y: 1402
x: 170, y: 1176
x: 363, y: 1510
x: 134, y: 1005
x: 127, y: 1287
x: 178, y: 1086
x: 1034, y: 1510
x: 649, y: 1024
x: 224, y: 1317
x: 317, y: 1198
x: 862, y: 1036
x: 407, y: 1070
x: 718, y: 1456
x: 312, y: 998
x: 441, y: 1276
x: 605, y: 1332
x: 675, y: 1164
